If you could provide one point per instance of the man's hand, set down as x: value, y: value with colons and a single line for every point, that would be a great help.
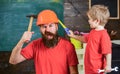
x: 27, y: 36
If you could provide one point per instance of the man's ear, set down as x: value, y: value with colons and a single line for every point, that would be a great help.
x: 57, y: 26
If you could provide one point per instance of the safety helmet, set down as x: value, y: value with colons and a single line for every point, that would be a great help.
x: 46, y: 16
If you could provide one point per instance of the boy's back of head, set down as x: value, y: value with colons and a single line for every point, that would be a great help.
x: 99, y: 12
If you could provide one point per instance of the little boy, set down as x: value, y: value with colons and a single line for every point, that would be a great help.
x: 98, y: 49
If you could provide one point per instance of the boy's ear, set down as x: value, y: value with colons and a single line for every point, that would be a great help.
x: 97, y: 21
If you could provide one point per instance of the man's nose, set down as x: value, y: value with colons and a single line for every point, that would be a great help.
x: 47, y: 28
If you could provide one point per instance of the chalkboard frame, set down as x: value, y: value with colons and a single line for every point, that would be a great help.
x: 110, y: 3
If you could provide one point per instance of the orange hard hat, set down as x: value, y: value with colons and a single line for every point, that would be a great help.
x: 47, y: 16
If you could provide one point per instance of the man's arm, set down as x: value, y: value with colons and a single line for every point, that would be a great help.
x: 74, y: 69
x: 16, y: 57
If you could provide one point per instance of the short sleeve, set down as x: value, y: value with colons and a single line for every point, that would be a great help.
x: 71, y: 55
x: 106, y: 44
x: 27, y: 52
x: 86, y: 36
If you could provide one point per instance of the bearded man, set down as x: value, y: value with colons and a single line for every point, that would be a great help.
x: 52, y: 54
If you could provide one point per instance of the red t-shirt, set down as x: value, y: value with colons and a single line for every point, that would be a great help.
x: 51, y: 60
x: 98, y: 44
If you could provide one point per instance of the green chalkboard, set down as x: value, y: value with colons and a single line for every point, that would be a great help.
x: 13, y: 20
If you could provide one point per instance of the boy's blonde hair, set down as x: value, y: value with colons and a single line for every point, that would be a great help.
x: 99, y: 12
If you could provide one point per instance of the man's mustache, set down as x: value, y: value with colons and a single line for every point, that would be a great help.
x: 48, y: 33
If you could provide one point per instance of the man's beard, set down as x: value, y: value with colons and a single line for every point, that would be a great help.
x: 50, y: 42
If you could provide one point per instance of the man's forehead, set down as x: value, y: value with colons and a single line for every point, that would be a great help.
x: 48, y: 24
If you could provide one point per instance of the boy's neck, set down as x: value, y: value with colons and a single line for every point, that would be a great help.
x: 99, y: 27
